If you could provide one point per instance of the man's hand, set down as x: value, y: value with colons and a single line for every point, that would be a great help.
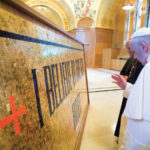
x: 125, y: 77
x: 119, y: 80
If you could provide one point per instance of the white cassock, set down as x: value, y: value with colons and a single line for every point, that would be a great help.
x: 138, y: 112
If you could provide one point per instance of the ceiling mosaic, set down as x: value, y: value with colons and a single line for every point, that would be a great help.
x: 85, y: 8
x: 70, y: 12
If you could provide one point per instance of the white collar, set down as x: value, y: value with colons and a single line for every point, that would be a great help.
x: 148, y: 58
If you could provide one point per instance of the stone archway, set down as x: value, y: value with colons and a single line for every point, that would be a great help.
x: 86, y: 33
x: 60, y: 16
x: 86, y: 22
x: 51, y: 14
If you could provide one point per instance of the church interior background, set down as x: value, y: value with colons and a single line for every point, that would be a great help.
x: 104, y: 21
x: 56, y: 62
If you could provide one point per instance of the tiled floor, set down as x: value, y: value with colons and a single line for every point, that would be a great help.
x: 103, y: 113
x: 100, y: 79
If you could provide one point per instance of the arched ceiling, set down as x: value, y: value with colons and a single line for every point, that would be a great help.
x: 50, y: 13
x: 85, y: 8
x: 58, y: 12
x: 67, y: 13
x: 108, y: 11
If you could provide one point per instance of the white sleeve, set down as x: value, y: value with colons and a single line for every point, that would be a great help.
x: 127, y: 90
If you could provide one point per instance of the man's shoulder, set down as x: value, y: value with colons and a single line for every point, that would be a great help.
x: 147, y: 67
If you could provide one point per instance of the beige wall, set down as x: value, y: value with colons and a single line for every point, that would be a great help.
x: 103, y: 40
x: 87, y: 36
x: 109, y: 59
x: 118, y: 34
x: 97, y: 39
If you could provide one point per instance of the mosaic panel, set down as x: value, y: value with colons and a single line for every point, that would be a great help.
x: 42, y: 86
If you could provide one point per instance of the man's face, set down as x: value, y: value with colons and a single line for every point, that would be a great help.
x: 128, y: 48
x: 138, y: 49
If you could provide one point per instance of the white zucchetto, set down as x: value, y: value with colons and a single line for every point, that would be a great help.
x: 141, y: 32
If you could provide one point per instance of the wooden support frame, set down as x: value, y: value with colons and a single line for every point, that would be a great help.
x: 20, y: 7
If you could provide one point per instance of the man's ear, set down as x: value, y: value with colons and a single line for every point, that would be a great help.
x: 145, y: 47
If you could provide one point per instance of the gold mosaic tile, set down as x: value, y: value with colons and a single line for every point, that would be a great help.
x: 45, y: 82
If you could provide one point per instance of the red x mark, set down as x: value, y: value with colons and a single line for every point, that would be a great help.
x: 14, y: 117
x: 70, y: 124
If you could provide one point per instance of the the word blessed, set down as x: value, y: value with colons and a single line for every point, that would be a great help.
x: 59, y: 81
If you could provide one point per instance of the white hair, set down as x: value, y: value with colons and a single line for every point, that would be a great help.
x: 145, y: 39
x: 136, y: 41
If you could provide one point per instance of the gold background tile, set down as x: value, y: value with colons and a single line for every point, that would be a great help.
x: 17, y: 59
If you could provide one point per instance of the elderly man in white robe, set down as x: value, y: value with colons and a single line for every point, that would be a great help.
x: 137, y: 134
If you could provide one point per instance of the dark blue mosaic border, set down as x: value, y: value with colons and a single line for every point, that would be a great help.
x: 33, y: 40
